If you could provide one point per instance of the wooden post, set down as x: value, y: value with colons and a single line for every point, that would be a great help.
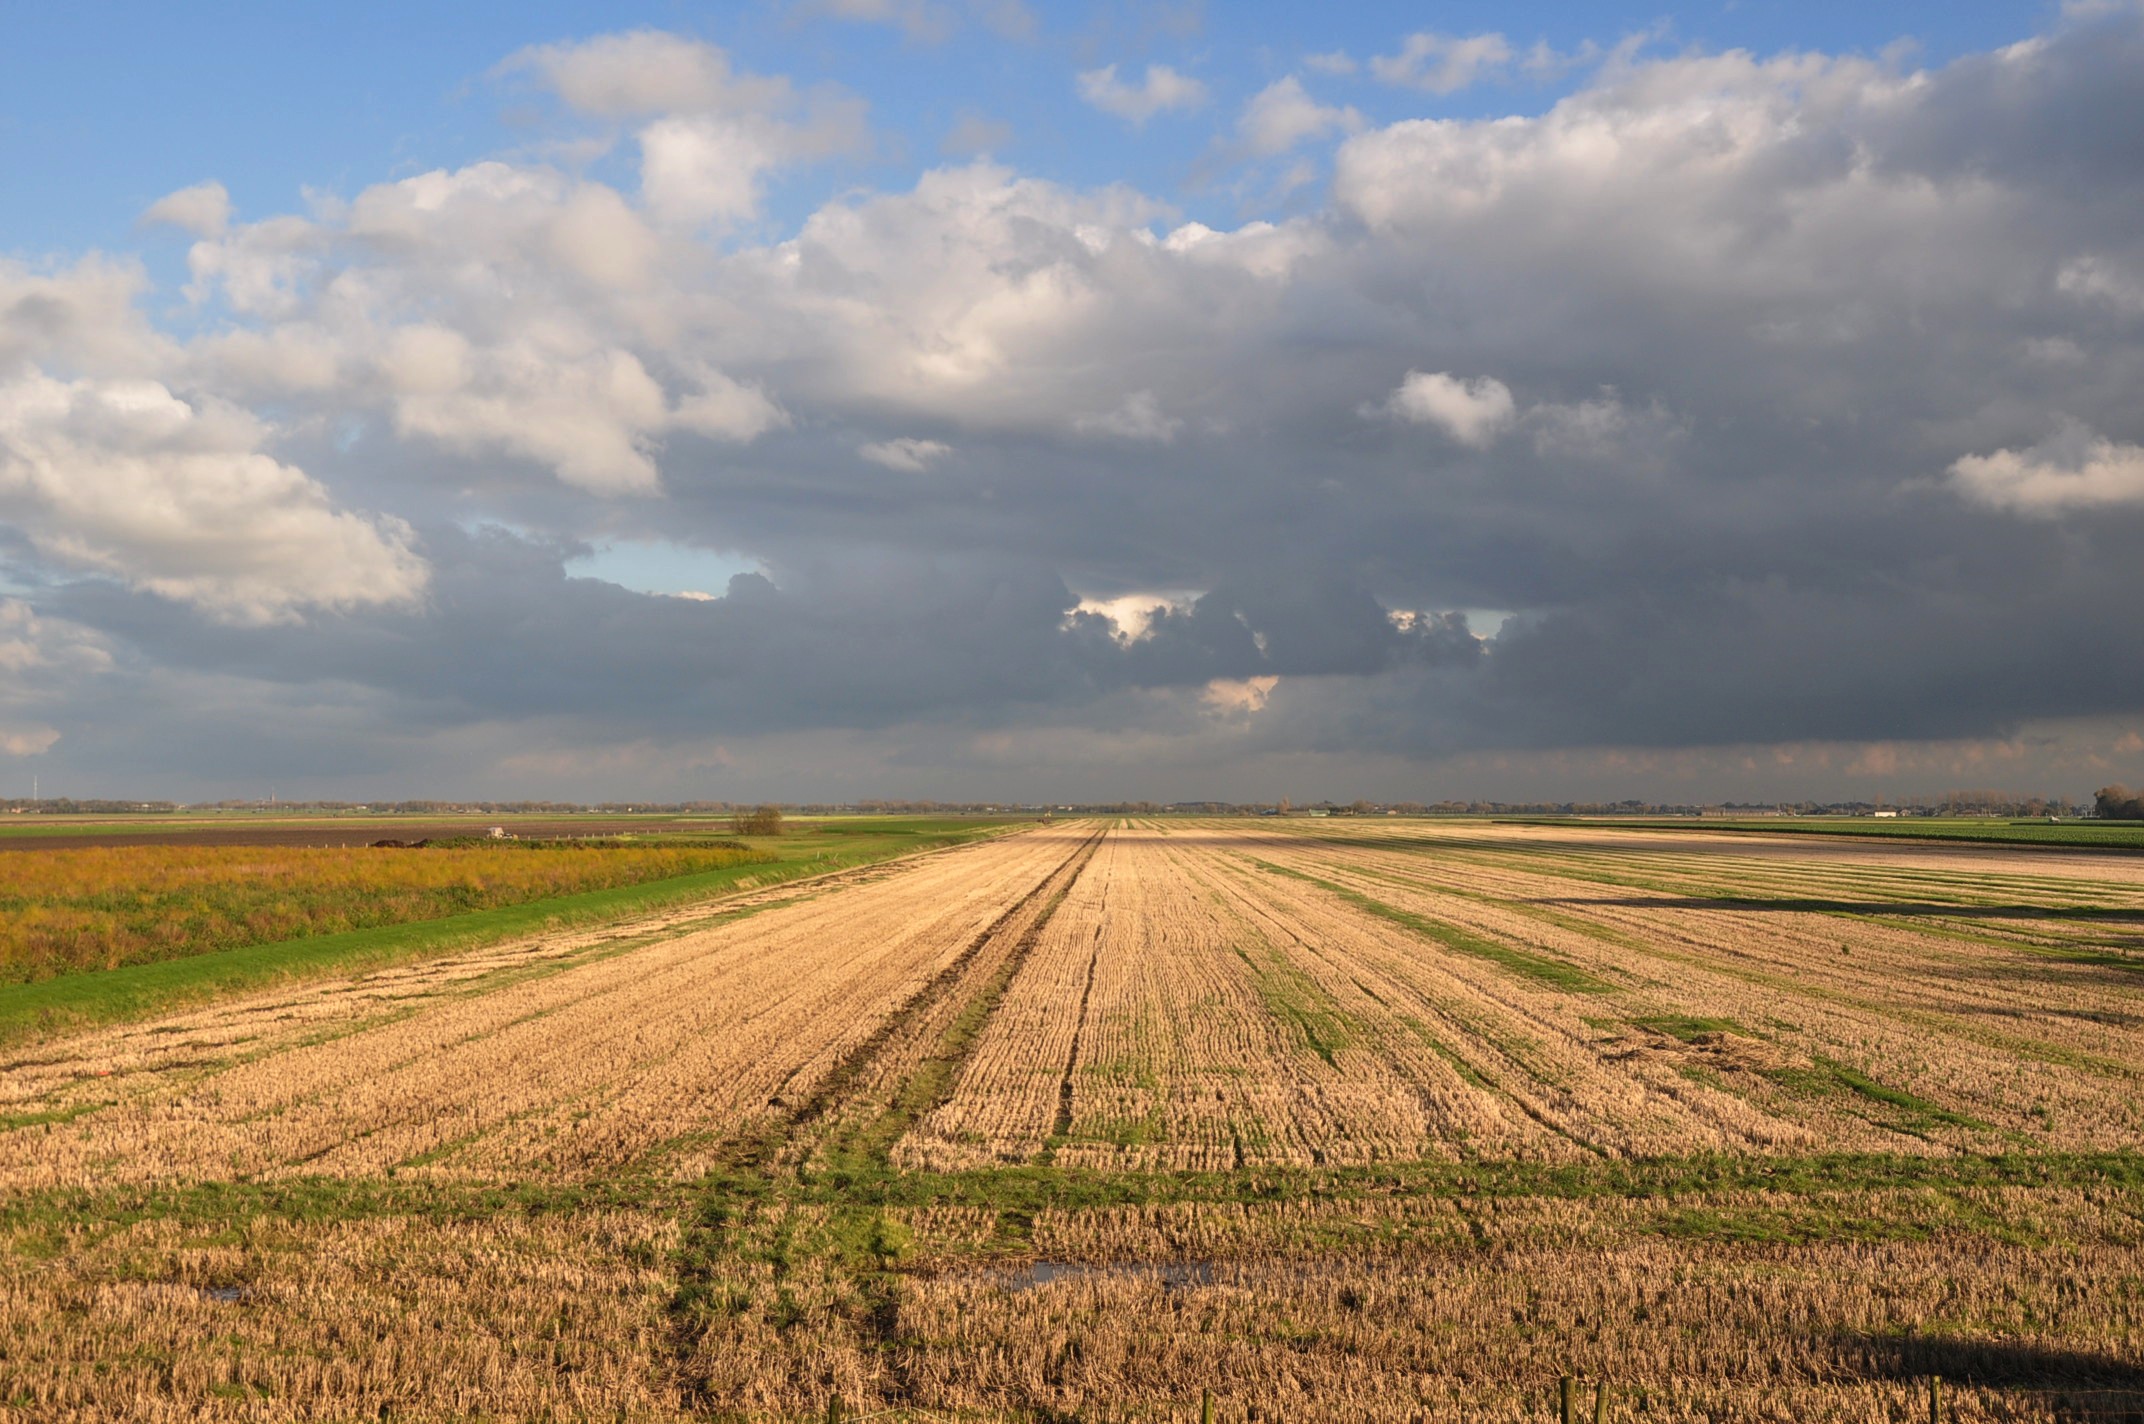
x: 1206, y: 1407
x: 1567, y: 1391
x: 1935, y: 1399
x: 1600, y: 1402
x: 833, y: 1409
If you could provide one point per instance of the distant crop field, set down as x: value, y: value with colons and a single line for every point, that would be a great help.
x: 1329, y: 1120
x: 2098, y: 835
x: 64, y: 911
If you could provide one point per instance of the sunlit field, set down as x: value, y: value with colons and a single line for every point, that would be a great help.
x: 1325, y: 1119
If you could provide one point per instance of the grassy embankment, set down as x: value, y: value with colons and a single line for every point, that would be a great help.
x: 253, y: 916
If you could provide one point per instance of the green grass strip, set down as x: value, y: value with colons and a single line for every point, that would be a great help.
x: 1292, y: 996
x: 1829, y: 1076
x: 1688, y: 1028
x: 1032, y: 1189
x: 107, y: 996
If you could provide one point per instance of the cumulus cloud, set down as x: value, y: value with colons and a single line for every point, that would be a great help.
x: 127, y: 479
x: 1162, y: 90
x: 82, y: 317
x: 2077, y: 469
x: 1739, y: 301
x: 595, y: 418
x: 204, y: 209
x: 905, y: 454
x: 1283, y: 115
x: 1471, y: 411
x: 1443, y: 64
x: 698, y: 169
x: 715, y: 134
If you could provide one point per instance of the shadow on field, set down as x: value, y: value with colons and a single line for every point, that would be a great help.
x: 2074, y: 1385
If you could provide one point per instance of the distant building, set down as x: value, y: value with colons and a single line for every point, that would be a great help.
x: 1885, y: 815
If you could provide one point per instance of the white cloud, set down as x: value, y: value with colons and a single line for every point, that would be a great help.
x: 649, y: 72
x: 204, y: 209
x: 28, y: 740
x: 1703, y: 170
x: 1139, y: 418
x: 41, y: 659
x: 2076, y: 469
x: 594, y: 417
x: 80, y: 318
x: 1130, y: 615
x: 29, y: 642
x: 698, y: 170
x: 1269, y: 250
x: 1163, y: 89
x: 1239, y: 697
x: 715, y: 133
x: 722, y: 408
x: 912, y: 456
x: 127, y: 479
x: 1337, y: 63
x: 1473, y: 412
x: 1443, y: 64
x: 1283, y: 114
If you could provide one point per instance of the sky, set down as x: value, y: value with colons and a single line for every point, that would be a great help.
x: 985, y: 399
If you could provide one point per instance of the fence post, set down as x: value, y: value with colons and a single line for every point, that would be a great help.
x: 1600, y: 1402
x: 1935, y: 1399
x: 1206, y: 1407
x: 1567, y: 1391
x: 833, y: 1409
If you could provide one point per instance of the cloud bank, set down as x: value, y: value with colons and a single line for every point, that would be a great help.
x: 1770, y: 401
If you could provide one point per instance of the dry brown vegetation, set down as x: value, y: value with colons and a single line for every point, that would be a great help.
x: 64, y: 911
x: 1339, y: 1120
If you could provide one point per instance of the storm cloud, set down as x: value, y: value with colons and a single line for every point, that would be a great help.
x: 1730, y: 402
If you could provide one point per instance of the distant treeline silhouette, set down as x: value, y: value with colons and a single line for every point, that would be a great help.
x: 2118, y: 803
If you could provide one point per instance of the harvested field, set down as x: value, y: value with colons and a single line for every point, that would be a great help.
x: 1243, y: 995
x: 1339, y: 1120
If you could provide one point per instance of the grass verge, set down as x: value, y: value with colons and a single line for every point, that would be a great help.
x: 78, y: 1001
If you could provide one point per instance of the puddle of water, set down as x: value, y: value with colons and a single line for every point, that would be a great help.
x: 225, y: 1293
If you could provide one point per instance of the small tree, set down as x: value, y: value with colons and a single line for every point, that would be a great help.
x: 759, y: 821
